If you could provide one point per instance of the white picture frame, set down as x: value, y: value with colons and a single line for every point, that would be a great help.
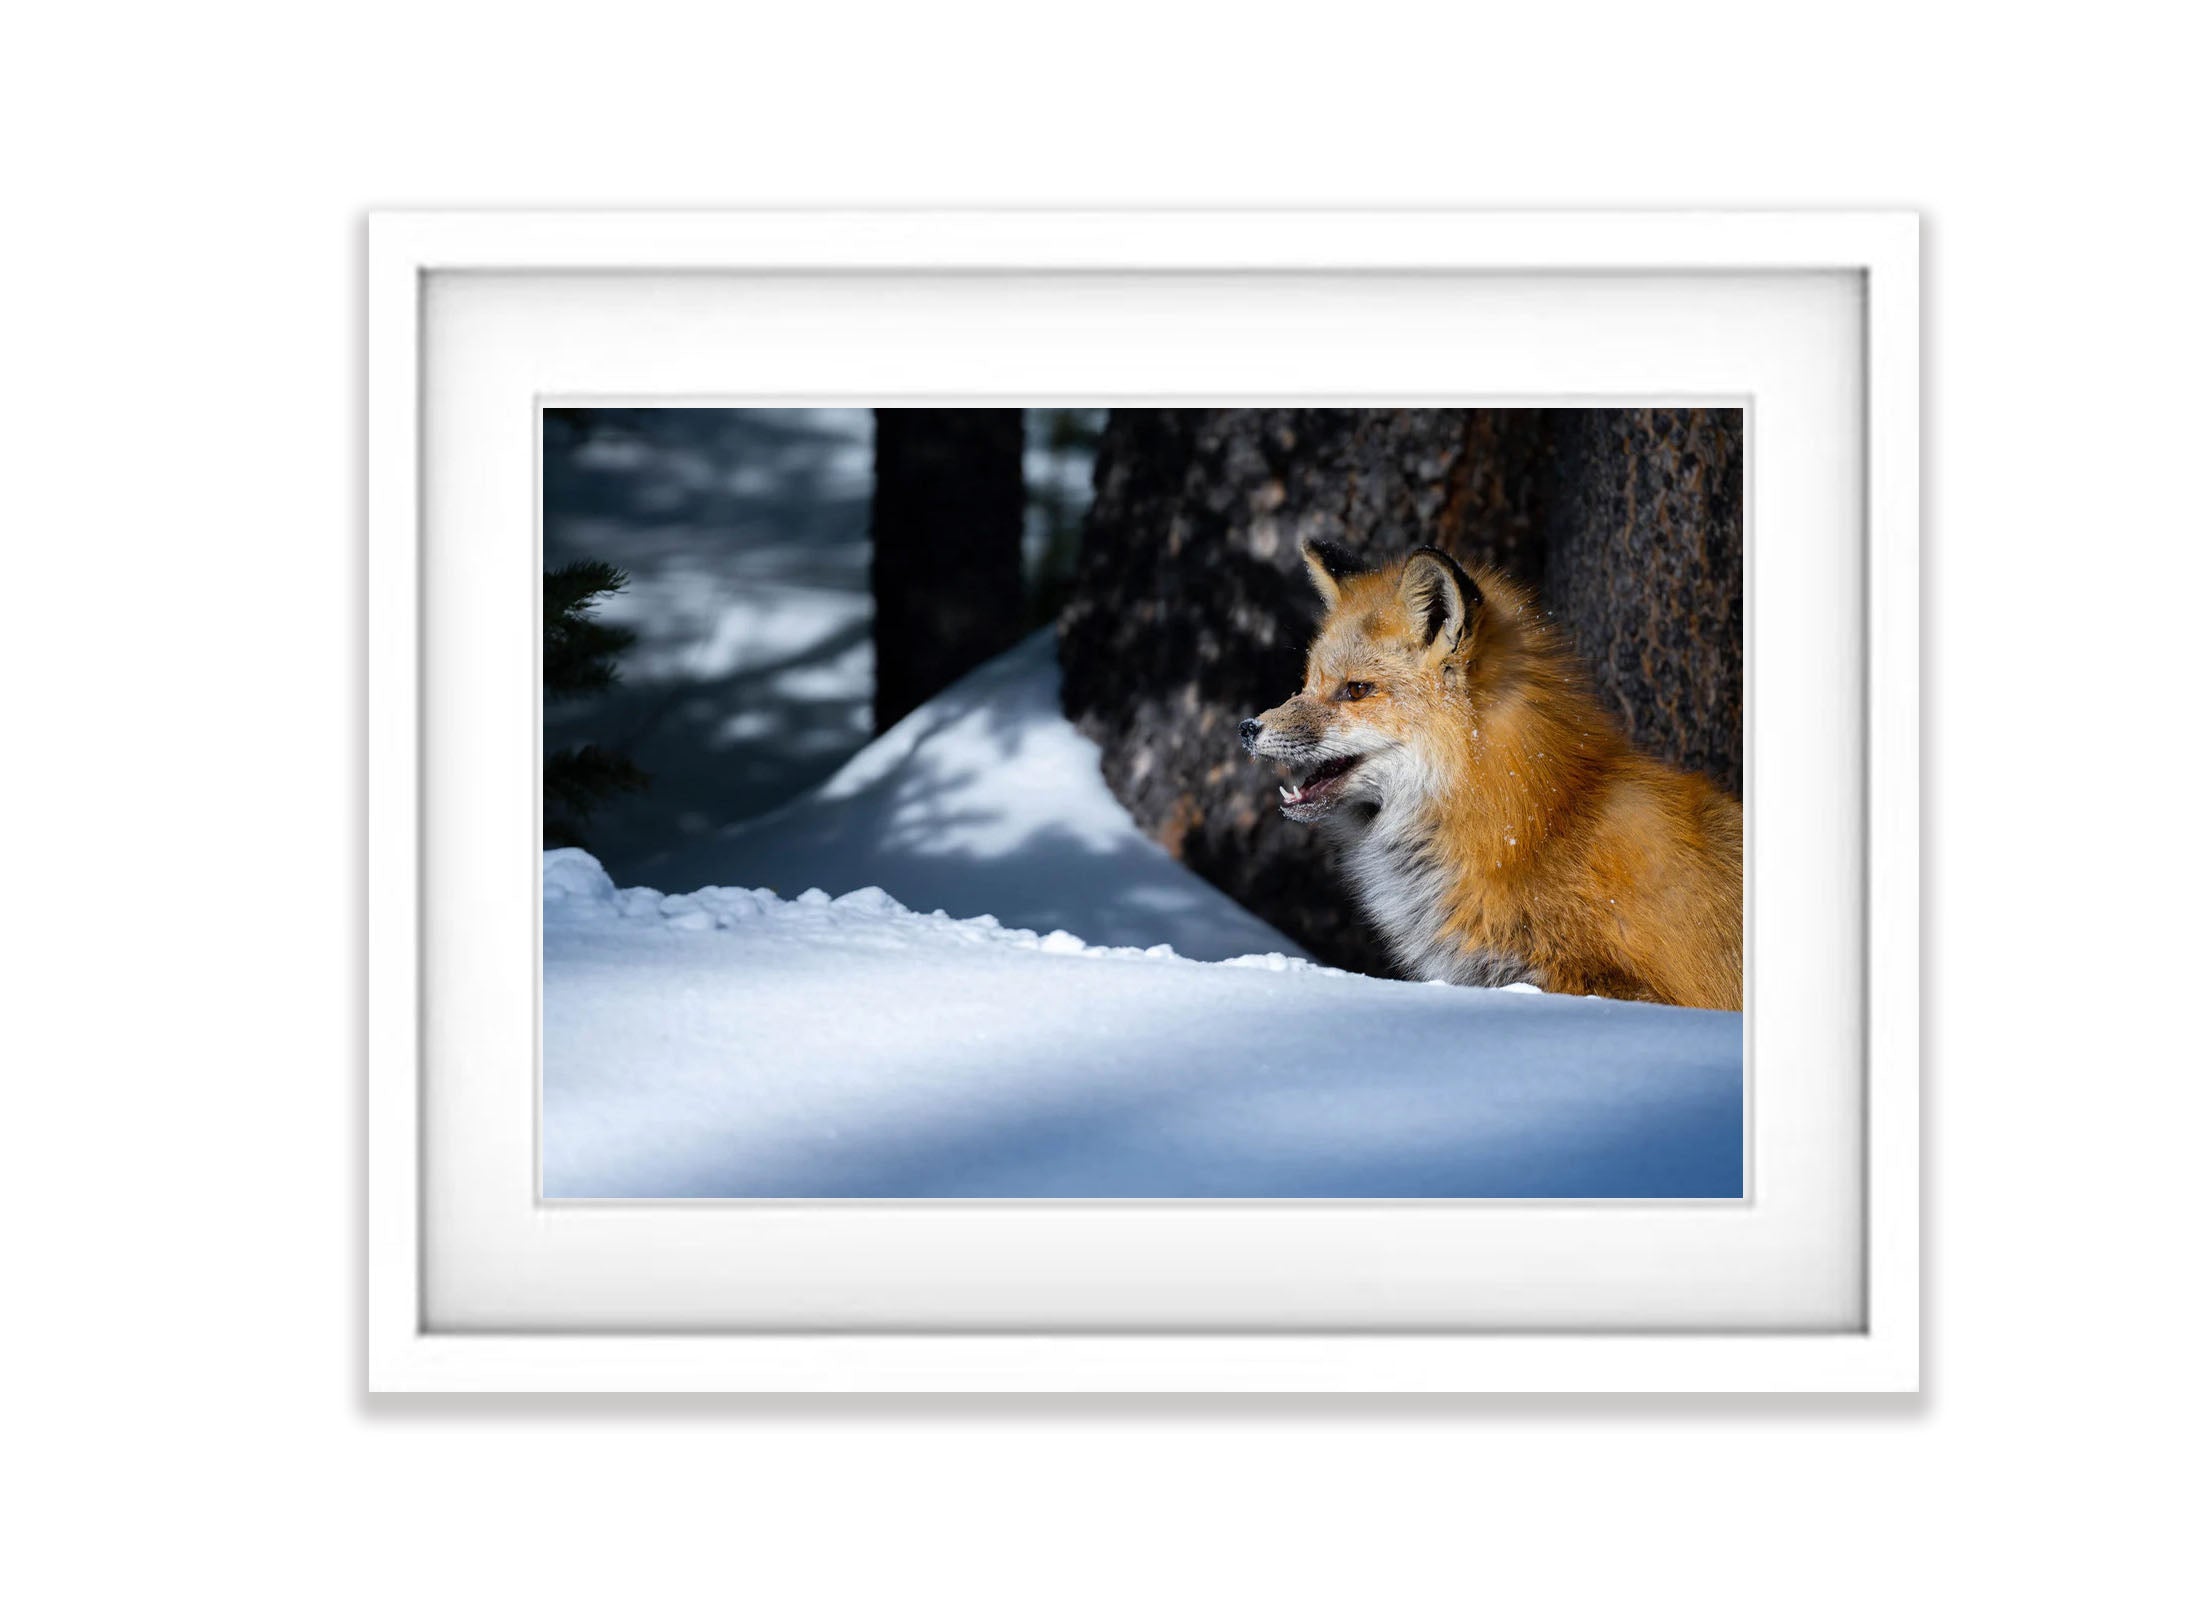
x: 407, y: 1351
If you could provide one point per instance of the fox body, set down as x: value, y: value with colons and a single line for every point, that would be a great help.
x: 1490, y: 817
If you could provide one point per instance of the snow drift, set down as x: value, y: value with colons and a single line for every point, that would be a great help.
x: 985, y: 801
x: 1038, y: 1025
x: 733, y: 1043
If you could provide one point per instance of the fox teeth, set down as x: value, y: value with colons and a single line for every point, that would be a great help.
x: 1290, y: 795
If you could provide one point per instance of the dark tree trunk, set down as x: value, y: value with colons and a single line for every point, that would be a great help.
x: 947, y: 526
x: 1190, y: 609
x: 1644, y: 568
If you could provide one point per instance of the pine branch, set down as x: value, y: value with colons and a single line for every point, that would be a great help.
x: 577, y: 650
x: 575, y: 782
x: 579, y: 656
x: 577, y: 585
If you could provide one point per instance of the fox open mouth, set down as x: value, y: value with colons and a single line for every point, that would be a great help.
x: 1313, y: 794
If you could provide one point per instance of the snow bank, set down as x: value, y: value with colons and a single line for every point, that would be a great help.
x: 986, y: 801
x: 733, y: 1042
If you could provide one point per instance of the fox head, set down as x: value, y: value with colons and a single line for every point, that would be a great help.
x: 1388, y: 669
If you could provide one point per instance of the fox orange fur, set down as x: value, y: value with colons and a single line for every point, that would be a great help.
x: 1492, y: 819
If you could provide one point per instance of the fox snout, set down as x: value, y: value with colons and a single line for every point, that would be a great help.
x: 1279, y: 731
x: 1299, y: 721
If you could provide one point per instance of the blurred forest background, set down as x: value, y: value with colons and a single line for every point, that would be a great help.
x: 737, y: 600
x: 746, y: 650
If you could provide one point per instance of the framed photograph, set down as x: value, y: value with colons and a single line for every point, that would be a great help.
x: 1118, y: 801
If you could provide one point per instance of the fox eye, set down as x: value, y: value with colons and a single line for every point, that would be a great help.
x: 1355, y: 690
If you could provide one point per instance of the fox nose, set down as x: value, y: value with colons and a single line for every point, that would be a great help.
x: 1249, y: 732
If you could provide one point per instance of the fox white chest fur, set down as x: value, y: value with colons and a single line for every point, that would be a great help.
x: 1404, y: 888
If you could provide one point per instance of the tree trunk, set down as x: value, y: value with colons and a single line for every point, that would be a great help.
x: 947, y: 526
x: 1190, y: 609
x: 1644, y: 569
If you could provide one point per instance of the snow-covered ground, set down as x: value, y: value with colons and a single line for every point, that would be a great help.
x: 734, y: 1043
x: 985, y: 801
x: 1023, y: 1032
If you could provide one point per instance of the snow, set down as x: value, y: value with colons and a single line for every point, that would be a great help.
x: 985, y: 801
x: 958, y: 969
x: 732, y: 1042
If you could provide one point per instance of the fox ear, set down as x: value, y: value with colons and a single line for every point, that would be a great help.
x: 1440, y: 599
x: 1329, y: 565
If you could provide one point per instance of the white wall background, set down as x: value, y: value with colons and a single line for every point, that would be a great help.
x: 182, y: 660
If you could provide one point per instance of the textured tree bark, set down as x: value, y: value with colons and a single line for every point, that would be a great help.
x: 1644, y: 568
x: 947, y: 523
x: 1190, y: 609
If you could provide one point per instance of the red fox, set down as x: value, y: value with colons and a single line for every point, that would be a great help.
x: 1492, y: 819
